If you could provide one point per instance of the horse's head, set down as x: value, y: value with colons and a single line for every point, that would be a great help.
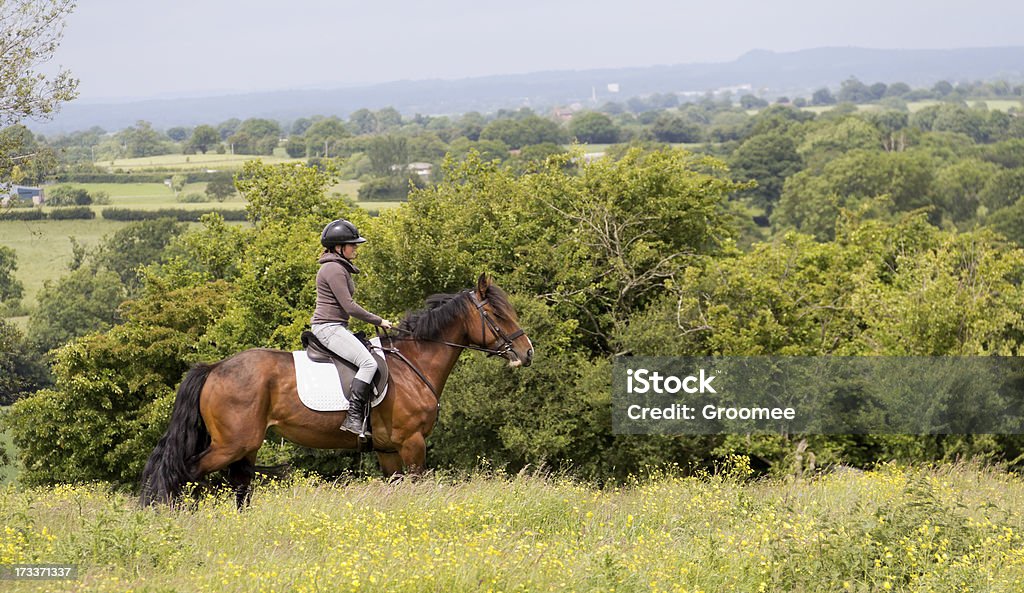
x: 496, y: 327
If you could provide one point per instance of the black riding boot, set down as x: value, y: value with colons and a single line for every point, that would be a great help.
x: 359, y: 395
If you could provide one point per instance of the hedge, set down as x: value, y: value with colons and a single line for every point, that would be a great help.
x: 21, y: 214
x: 72, y: 213
x: 147, y: 177
x: 179, y: 214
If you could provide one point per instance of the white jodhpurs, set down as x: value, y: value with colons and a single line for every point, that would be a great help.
x: 341, y: 341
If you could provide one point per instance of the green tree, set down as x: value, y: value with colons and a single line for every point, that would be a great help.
x: 21, y: 371
x: 11, y: 289
x: 752, y: 102
x: 136, y: 245
x: 959, y: 187
x: 470, y: 125
x: 67, y: 195
x: 854, y: 91
x: 178, y: 133
x: 811, y: 200
x: 32, y: 30
x: 829, y: 138
x: 1009, y: 222
x: 1003, y: 189
x: 221, y: 186
x: 84, y: 301
x: 363, y: 121
x: 203, y: 138
x: 389, y: 155
x: 669, y: 127
x: 142, y: 140
x: 822, y: 96
x: 388, y: 119
x: 256, y: 136
x: 24, y: 158
x: 768, y: 159
x: 227, y: 128
x: 592, y: 127
x: 324, y: 136
x: 522, y: 131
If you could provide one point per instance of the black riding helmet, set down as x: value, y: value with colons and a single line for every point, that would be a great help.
x: 340, y: 232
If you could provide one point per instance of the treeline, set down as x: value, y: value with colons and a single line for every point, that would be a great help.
x: 638, y: 253
x: 378, y: 147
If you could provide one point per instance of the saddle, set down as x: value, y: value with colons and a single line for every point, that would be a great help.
x: 317, y: 352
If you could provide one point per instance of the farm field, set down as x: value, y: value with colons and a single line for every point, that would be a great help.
x: 186, y: 162
x: 153, y: 196
x: 914, y: 106
x: 44, y: 247
x: 952, y: 528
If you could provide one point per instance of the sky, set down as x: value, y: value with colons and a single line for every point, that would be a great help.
x: 122, y: 49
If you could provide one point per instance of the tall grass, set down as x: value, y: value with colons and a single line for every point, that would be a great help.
x: 953, y: 528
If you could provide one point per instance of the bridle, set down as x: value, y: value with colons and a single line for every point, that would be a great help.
x: 503, y: 340
x: 486, y: 321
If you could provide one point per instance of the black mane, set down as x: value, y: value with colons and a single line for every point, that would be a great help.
x: 442, y: 310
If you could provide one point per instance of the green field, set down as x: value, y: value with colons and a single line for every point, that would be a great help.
x: 186, y: 162
x: 914, y: 106
x: 153, y: 196
x: 44, y: 248
x: 947, y: 529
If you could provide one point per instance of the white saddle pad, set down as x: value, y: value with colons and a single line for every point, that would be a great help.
x: 320, y: 387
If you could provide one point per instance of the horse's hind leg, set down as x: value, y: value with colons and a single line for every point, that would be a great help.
x: 240, y: 475
x: 390, y: 464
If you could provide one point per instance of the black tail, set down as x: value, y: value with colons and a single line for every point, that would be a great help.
x: 172, y: 464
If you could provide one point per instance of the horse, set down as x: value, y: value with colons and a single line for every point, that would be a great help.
x: 222, y: 410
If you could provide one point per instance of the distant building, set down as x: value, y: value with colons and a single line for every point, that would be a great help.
x: 424, y: 170
x: 563, y: 114
x: 22, y: 193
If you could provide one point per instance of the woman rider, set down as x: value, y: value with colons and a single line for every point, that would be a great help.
x: 335, y: 305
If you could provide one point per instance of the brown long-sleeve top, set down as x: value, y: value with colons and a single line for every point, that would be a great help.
x: 335, y: 291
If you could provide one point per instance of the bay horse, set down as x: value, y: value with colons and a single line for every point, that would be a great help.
x: 222, y: 410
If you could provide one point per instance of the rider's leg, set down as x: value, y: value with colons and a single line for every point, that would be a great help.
x: 341, y: 341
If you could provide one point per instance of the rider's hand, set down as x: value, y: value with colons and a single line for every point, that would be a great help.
x: 385, y: 324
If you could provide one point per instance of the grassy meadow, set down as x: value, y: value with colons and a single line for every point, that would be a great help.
x: 191, y: 162
x: 44, y: 247
x: 951, y: 528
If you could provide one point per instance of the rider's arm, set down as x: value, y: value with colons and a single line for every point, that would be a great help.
x: 339, y: 286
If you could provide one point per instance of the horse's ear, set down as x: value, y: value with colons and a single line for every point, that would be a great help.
x: 482, y: 284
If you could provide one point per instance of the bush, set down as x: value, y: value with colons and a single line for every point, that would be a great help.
x: 66, y: 195
x: 388, y: 189
x: 193, y: 198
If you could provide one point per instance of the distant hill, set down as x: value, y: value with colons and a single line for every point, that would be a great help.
x: 791, y: 73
